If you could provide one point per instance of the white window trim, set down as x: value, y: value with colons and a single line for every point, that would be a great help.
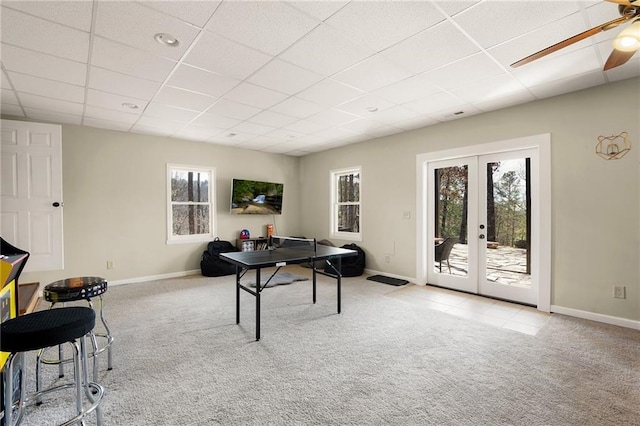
x: 350, y: 236
x: 178, y: 239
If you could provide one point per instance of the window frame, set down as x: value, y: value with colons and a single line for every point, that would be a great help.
x: 178, y: 239
x: 334, y: 207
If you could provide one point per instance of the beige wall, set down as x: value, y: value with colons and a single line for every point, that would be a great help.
x: 114, y: 191
x: 115, y: 195
x: 595, y: 203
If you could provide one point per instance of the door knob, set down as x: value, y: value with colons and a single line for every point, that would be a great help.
x: 481, y: 226
x: 481, y: 236
x: 57, y: 204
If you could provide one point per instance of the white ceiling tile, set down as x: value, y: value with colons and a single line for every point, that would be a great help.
x: 385, y: 24
x: 195, y: 132
x: 318, y: 9
x: 45, y: 66
x: 297, y: 107
x: 112, y: 115
x: 49, y: 88
x: 43, y: 103
x: 456, y: 112
x: 4, y: 81
x: 223, y: 56
x: 250, y: 94
x: 267, y: 26
x: 231, y: 109
x: 193, y: 12
x: 361, y: 126
x: 490, y: 88
x: 324, y: 50
x: 53, y: 115
x: 114, y: 101
x: 285, y: 134
x: 417, y: 122
x: 252, y: 128
x: 163, y: 126
x: 463, y: 72
x: 329, y: 93
x: 9, y: 97
x: 134, y: 24
x: 432, y: 48
x: 184, y: 99
x: 154, y: 130
x: 76, y: 14
x: 493, y: 22
x: 598, y: 14
x: 306, y: 126
x: 557, y: 87
x: 333, y: 117
x: 232, y: 137
x: 452, y: 8
x: 336, y: 134
x: 112, y: 82
x: 515, y: 98
x: 12, y: 110
x: 273, y: 119
x: 201, y: 81
x: 128, y: 60
x: 284, y: 77
x: 217, y: 121
x: 433, y: 103
x: 167, y: 112
x: 407, y: 90
x: 372, y: 73
x: 393, y: 115
x: 361, y: 106
x: 106, y: 124
x: 20, y: 29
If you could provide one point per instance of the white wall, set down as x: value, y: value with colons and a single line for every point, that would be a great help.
x: 595, y: 203
x: 114, y: 191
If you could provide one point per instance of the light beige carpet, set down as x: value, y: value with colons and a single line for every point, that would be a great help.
x: 180, y: 359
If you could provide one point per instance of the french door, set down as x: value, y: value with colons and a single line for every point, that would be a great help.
x: 481, y: 223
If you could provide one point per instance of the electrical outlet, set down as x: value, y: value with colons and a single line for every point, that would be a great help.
x: 109, y: 264
x: 387, y: 259
x: 619, y: 292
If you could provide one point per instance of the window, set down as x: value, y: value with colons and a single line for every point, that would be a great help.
x: 345, y: 203
x: 190, y: 204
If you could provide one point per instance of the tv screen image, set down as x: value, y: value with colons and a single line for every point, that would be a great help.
x: 256, y: 197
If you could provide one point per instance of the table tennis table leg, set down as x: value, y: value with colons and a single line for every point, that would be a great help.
x: 314, y: 282
x: 237, y: 294
x: 258, y: 287
x: 339, y: 282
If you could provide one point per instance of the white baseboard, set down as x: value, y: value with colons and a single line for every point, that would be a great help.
x: 607, y: 319
x: 155, y: 277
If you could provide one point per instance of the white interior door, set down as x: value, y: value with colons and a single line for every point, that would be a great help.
x: 487, y: 206
x: 31, y: 191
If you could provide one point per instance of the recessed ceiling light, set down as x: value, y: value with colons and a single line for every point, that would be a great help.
x: 130, y: 105
x: 230, y: 135
x: 167, y: 39
x: 458, y: 113
x: 372, y: 109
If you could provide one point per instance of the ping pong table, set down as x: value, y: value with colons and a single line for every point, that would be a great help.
x: 286, y: 251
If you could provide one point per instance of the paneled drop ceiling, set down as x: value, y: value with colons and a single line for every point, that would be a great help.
x: 292, y: 77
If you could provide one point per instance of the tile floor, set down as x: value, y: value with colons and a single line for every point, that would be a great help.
x: 513, y: 316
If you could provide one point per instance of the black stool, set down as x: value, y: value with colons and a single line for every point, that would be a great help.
x: 71, y: 290
x: 44, y: 329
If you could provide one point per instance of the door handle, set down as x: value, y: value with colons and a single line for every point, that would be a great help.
x: 57, y: 204
x: 481, y: 236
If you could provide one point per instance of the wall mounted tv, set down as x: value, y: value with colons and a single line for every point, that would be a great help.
x: 256, y: 197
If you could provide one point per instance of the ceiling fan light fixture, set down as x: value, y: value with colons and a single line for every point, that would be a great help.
x: 629, y: 39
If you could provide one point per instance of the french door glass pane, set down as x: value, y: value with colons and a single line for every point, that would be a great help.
x: 508, y: 235
x: 451, y: 227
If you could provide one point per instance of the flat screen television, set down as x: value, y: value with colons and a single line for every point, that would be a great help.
x: 256, y: 197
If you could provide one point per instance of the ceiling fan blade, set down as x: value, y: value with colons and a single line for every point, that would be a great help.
x: 617, y: 58
x: 571, y: 40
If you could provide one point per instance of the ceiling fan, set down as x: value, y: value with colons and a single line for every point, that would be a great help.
x: 624, y: 45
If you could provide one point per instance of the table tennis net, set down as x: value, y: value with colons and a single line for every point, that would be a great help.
x: 293, y: 242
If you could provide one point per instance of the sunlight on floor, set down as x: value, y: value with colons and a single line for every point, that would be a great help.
x: 512, y: 316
